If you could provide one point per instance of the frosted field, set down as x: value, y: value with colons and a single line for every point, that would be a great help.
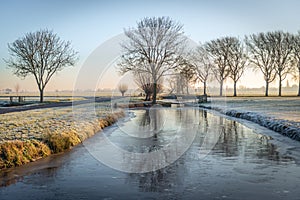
x: 281, y: 114
x: 33, y: 124
x: 287, y: 108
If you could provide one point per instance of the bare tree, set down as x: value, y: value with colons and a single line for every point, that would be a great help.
x: 172, y: 84
x: 260, y: 54
x: 296, y: 52
x: 17, y: 88
x: 123, y: 88
x: 42, y: 54
x: 237, y: 62
x: 144, y: 82
x: 219, y: 52
x: 202, y: 65
x: 154, y: 47
x: 186, y: 72
x: 282, y: 49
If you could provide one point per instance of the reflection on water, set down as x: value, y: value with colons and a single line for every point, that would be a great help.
x: 241, y: 165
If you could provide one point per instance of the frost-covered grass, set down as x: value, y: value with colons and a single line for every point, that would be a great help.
x: 287, y: 108
x: 281, y: 114
x: 57, y: 128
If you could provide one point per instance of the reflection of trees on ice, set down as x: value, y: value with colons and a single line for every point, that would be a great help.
x: 170, y: 138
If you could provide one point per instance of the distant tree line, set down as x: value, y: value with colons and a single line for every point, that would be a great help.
x: 158, y: 48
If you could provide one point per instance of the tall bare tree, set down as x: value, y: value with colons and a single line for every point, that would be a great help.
x: 282, y: 52
x: 237, y: 62
x: 219, y: 52
x: 155, y: 47
x: 296, y: 52
x: 123, y: 88
x: 41, y: 54
x: 202, y: 65
x: 260, y: 54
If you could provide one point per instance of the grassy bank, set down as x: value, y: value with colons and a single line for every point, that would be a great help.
x: 30, y: 135
x: 281, y: 115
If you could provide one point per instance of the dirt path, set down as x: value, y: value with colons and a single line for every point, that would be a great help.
x: 4, y: 110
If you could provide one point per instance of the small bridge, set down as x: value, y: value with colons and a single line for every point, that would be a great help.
x: 181, y: 100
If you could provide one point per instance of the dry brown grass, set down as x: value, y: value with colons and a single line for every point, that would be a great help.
x: 16, y: 153
x: 61, y: 142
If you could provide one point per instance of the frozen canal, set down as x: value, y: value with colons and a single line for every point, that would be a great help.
x: 217, y: 159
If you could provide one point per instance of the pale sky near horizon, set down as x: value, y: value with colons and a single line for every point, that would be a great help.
x: 89, y: 24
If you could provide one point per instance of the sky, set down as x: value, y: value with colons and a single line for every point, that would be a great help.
x: 94, y: 26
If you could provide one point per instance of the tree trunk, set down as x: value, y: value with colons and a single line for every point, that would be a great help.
x: 267, y: 89
x: 154, y: 92
x: 234, y: 89
x: 204, y: 88
x: 280, y: 84
x: 187, y: 88
x: 279, y: 88
x: 299, y: 82
x: 221, y: 88
x: 41, y: 95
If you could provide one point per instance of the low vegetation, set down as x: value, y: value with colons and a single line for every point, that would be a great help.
x: 30, y: 135
x: 16, y: 153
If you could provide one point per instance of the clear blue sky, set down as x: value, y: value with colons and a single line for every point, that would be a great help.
x: 89, y: 23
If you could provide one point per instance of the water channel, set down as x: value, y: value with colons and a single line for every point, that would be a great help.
x: 174, y: 153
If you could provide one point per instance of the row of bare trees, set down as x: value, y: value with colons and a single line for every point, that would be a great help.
x: 275, y: 54
x: 157, y: 48
x: 221, y: 58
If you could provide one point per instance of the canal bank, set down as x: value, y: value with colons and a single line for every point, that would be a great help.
x: 278, y: 114
x: 30, y: 135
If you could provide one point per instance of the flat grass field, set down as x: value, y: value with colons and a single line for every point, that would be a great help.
x: 285, y: 108
x: 33, y: 124
x: 32, y: 134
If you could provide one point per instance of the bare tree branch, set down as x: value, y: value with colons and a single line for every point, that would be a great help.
x: 296, y: 57
x: 202, y: 65
x: 219, y: 50
x: 260, y: 54
x: 282, y: 47
x: 237, y: 61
